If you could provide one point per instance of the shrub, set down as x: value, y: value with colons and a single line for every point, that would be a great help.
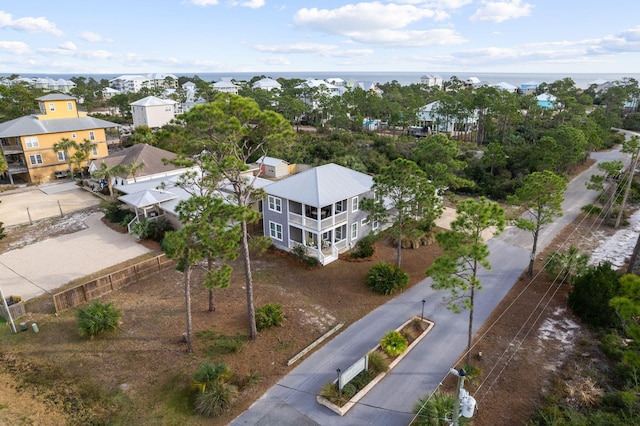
x: 98, y: 318
x: 299, y: 251
x: 378, y: 362
x: 216, y: 399
x: 268, y: 315
x: 592, y: 210
x: 114, y: 212
x: 432, y: 410
x: 613, y: 346
x: 364, y: 248
x: 157, y: 229
x: 330, y: 393
x: 361, y: 380
x: 385, y: 278
x: 393, y: 343
x: 349, y: 390
x: 312, y: 261
x: 209, y: 374
x: 590, y: 295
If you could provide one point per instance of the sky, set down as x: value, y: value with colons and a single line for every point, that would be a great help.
x: 429, y: 36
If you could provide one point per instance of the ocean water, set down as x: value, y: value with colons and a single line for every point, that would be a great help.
x: 581, y: 80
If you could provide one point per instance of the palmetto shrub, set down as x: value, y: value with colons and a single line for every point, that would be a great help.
x: 216, y: 393
x: 435, y: 410
x: 385, y: 278
x: 98, y: 318
x: 393, y: 343
x: 268, y: 315
x: 216, y: 399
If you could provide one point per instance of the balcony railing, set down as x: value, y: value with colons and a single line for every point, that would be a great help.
x: 12, y: 149
x: 313, y: 223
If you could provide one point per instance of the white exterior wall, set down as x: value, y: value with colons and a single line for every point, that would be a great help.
x: 152, y: 116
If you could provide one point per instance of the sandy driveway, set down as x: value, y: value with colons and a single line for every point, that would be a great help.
x: 34, y: 203
x: 44, y: 266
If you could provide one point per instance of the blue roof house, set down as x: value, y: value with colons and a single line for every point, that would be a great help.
x: 546, y: 100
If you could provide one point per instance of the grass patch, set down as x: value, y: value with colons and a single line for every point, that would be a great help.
x: 220, y: 344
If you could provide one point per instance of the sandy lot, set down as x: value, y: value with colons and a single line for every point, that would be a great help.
x: 35, y: 203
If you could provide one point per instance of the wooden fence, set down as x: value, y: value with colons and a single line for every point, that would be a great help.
x: 86, y: 292
x: 16, y: 310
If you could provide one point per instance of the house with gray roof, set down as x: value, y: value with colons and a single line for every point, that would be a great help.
x: 266, y: 84
x: 226, y: 86
x: 318, y: 209
x: 28, y: 142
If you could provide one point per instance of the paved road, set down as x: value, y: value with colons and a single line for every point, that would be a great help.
x: 292, y: 400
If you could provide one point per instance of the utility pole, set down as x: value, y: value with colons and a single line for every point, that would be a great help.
x: 456, y: 406
x: 632, y: 172
x: 6, y: 307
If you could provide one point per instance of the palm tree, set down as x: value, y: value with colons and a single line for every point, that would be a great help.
x: 133, y: 168
x: 65, y: 145
x: 108, y: 173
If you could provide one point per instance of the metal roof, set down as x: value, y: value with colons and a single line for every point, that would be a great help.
x: 322, y: 185
x: 55, y: 97
x: 152, y: 101
x: 30, y: 125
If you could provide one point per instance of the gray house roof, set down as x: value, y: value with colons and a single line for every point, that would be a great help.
x: 55, y: 97
x: 322, y: 185
x: 152, y: 101
x: 30, y: 125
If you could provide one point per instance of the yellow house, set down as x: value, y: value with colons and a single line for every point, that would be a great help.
x: 27, y: 142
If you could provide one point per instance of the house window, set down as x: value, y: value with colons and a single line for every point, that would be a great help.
x: 73, y: 135
x: 61, y: 156
x: 341, y: 233
x: 275, y: 204
x: 354, y: 230
x: 70, y: 106
x: 275, y: 230
x: 94, y: 151
x: 52, y: 107
x: 354, y: 204
x: 375, y: 224
x: 364, y: 222
x: 341, y: 206
x: 92, y: 135
x: 32, y: 142
x: 35, y: 159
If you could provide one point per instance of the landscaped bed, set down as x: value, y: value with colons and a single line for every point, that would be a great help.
x: 342, y: 394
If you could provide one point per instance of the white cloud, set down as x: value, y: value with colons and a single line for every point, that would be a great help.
x: 14, y: 47
x: 68, y: 45
x: 437, y: 37
x: 325, y: 50
x: 204, y: 2
x: 502, y: 11
x: 80, y: 54
x: 253, y: 4
x: 276, y: 60
x: 92, y: 37
x: 437, y: 4
x: 363, y: 17
x: 28, y: 24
